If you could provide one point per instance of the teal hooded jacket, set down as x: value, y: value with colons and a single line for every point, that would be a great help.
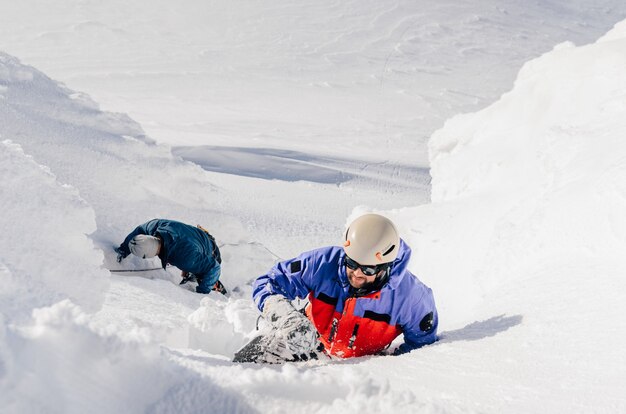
x: 189, y: 248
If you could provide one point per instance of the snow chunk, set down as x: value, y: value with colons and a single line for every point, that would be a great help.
x: 220, y: 326
x: 96, y: 371
x: 48, y: 220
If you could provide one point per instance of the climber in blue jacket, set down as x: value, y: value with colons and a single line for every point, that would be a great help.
x: 190, y: 248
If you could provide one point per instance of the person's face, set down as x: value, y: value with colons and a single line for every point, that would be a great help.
x: 357, y: 279
x: 360, y: 276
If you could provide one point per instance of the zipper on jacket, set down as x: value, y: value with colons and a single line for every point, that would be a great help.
x: 353, y: 337
x: 333, y: 330
x: 347, y: 304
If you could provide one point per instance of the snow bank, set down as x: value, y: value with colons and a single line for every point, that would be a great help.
x: 524, y: 241
x: 75, y: 180
x: 540, y: 174
x: 61, y: 364
x: 106, y: 156
x: 44, y: 249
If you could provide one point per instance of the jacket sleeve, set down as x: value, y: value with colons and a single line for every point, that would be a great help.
x: 421, y: 327
x: 146, y: 228
x: 290, y: 278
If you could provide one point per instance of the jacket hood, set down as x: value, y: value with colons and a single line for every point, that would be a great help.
x: 402, y: 261
x: 166, y: 242
x: 400, y: 265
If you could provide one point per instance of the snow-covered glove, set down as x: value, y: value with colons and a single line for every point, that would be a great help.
x: 299, y: 333
x: 120, y: 254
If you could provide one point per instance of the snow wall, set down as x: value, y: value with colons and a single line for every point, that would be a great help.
x: 526, y: 234
x: 53, y: 357
x: 537, y: 179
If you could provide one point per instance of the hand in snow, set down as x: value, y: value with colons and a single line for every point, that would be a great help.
x: 120, y: 254
x: 189, y: 277
x: 298, y: 332
x: 301, y: 335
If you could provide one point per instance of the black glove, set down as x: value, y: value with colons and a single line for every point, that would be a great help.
x: 187, y: 277
x: 120, y: 254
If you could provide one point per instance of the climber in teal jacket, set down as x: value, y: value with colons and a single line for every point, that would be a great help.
x: 191, y: 249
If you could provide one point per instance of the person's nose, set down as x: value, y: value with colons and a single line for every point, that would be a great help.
x: 359, y: 273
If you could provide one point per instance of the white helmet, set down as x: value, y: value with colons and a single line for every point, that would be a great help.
x: 144, y: 246
x: 372, y: 240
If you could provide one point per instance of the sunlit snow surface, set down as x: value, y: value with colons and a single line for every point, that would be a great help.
x: 523, y: 241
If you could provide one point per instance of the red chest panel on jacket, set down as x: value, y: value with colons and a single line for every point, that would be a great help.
x: 346, y: 335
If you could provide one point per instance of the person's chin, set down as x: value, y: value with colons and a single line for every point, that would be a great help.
x: 356, y: 282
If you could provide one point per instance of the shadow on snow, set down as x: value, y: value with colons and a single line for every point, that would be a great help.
x: 481, y: 329
x: 287, y: 165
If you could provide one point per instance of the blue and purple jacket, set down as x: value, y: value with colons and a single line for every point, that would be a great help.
x: 351, y: 325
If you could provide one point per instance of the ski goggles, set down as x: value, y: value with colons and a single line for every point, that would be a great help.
x: 367, y: 270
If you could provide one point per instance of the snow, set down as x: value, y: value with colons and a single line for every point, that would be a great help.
x: 30, y: 189
x: 275, y: 125
x: 97, y: 371
x: 528, y: 206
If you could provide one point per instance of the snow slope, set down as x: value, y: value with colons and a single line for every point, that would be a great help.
x: 322, y: 77
x: 58, y: 360
x: 163, y: 347
x: 525, y: 239
x: 343, y: 94
x: 521, y: 244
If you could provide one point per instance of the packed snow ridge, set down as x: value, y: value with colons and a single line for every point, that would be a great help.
x: 523, y: 245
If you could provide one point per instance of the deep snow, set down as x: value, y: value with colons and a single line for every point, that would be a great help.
x: 522, y: 242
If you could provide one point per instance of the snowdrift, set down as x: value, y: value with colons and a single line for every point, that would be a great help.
x: 537, y: 178
x: 66, y: 169
x: 525, y: 237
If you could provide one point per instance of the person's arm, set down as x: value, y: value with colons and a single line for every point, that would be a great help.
x: 421, y: 328
x: 189, y: 258
x: 290, y: 278
x: 273, y: 292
